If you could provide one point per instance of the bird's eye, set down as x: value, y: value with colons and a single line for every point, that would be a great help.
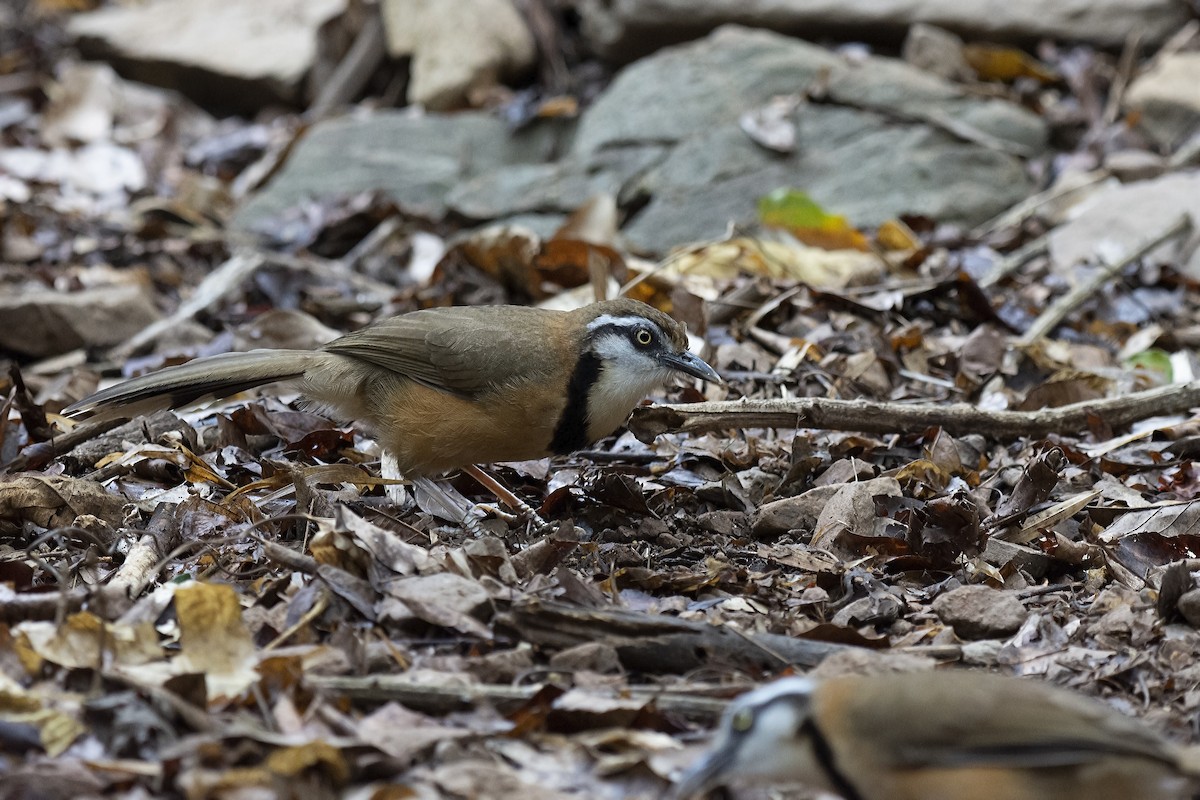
x: 742, y: 720
x: 643, y: 337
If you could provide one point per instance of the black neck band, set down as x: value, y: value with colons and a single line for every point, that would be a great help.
x: 571, y: 433
x: 825, y: 759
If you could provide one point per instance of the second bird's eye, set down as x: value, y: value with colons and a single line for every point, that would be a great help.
x: 742, y: 720
x: 643, y: 337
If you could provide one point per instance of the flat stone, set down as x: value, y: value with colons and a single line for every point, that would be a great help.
x: 566, y: 185
x: 225, y: 54
x: 626, y: 29
x: 664, y: 139
x: 692, y: 96
x: 1135, y: 165
x: 43, y: 323
x: 1119, y: 218
x: 980, y: 612
x: 415, y: 160
x: 1000, y: 553
x: 791, y: 513
x: 1167, y: 98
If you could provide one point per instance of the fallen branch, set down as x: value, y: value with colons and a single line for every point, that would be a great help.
x: 657, y: 644
x: 448, y: 698
x: 41, y: 605
x: 871, y: 416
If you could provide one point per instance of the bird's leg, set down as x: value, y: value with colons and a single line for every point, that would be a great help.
x: 389, y: 469
x: 449, y: 504
x: 506, y: 496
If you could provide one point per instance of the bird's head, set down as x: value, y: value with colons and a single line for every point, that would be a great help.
x: 766, y: 733
x: 630, y: 348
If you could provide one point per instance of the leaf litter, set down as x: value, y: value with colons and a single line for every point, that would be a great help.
x: 224, y: 601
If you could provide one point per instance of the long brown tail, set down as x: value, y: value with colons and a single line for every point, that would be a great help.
x: 202, y: 379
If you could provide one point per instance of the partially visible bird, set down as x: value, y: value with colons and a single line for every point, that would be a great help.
x: 446, y: 388
x: 945, y: 735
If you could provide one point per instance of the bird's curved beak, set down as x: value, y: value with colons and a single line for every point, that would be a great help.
x: 692, y: 365
x: 707, y: 772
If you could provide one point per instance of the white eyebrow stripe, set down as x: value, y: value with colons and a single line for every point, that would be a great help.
x: 769, y: 693
x: 619, y: 321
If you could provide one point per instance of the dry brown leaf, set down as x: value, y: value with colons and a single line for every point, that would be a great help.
x: 214, y: 640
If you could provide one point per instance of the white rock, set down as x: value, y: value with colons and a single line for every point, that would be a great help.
x: 231, y: 52
x: 456, y: 47
x: 1168, y: 98
x: 1118, y: 219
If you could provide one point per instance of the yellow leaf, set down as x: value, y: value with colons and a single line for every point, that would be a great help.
x: 995, y: 63
x: 895, y: 235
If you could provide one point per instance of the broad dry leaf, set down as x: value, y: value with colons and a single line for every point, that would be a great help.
x: 815, y: 266
x: 403, y: 734
x: 84, y: 641
x: 214, y: 639
x: 56, y: 501
x: 56, y: 730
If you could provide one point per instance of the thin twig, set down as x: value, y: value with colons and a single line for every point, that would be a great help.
x: 219, y: 283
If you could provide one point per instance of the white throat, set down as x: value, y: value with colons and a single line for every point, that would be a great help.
x: 627, y: 375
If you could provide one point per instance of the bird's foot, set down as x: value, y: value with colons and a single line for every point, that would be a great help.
x: 510, y: 499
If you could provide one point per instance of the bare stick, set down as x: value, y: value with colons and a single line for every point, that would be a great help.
x: 1053, y: 315
x: 699, y: 703
x: 877, y: 417
x: 657, y: 643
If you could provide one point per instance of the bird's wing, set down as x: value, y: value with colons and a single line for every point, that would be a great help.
x: 465, y: 350
x: 974, y: 721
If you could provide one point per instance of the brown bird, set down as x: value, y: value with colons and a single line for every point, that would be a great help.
x: 446, y: 388
x: 941, y: 736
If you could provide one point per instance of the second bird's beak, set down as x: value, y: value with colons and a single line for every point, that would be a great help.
x: 706, y: 773
x: 691, y: 365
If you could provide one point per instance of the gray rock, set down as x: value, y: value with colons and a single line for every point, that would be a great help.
x: 45, y: 323
x: 1135, y: 165
x: 665, y: 136
x: 566, y: 185
x: 1168, y: 98
x: 416, y: 160
x: 936, y: 51
x: 626, y: 29
x: 979, y: 612
x: 1001, y: 553
x: 791, y: 513
x: 223, y: 53
x: 1189, y: 607
x: 691, y: 96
